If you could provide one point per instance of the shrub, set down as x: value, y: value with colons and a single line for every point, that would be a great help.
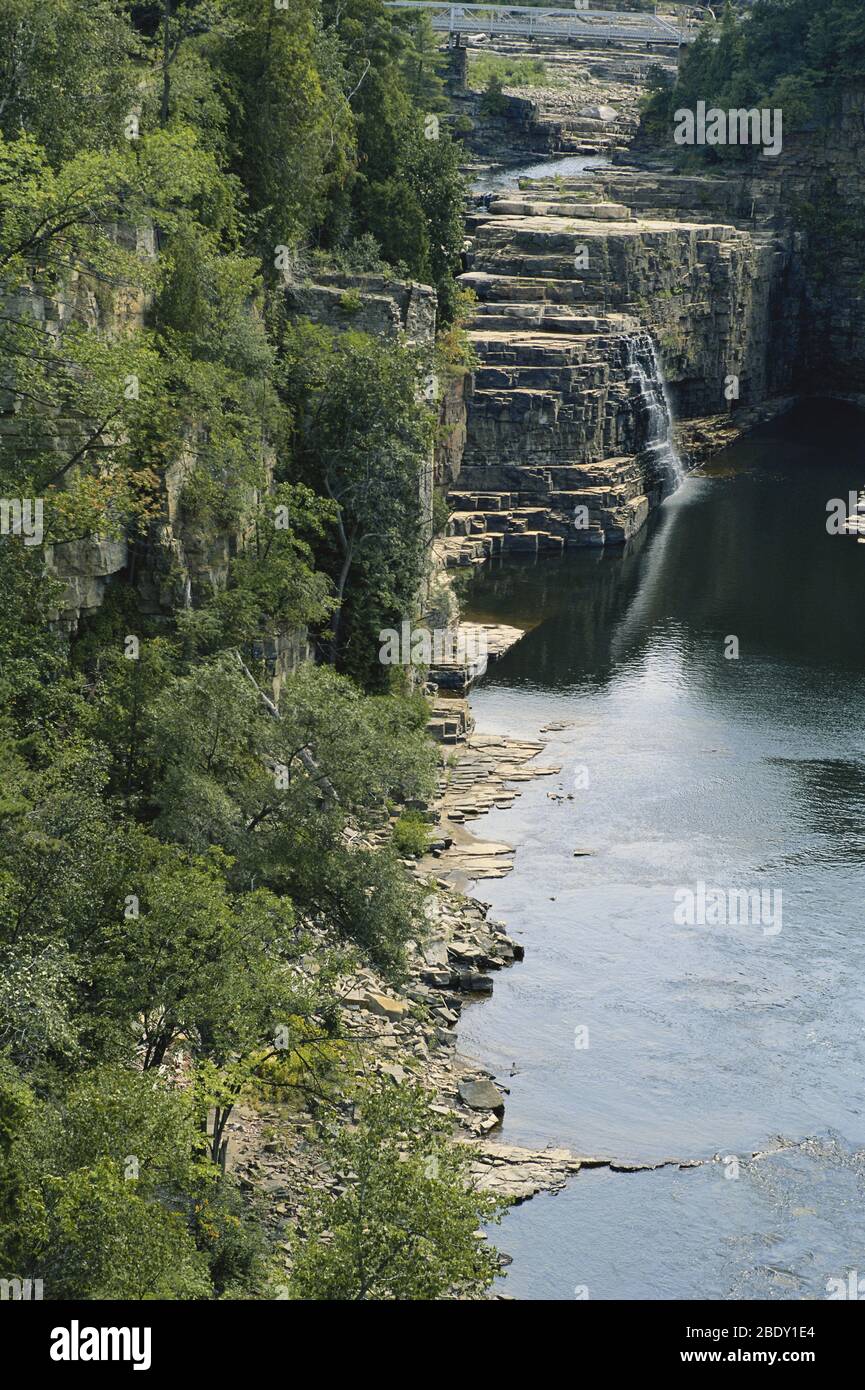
x: 411, y: 835
x: 350, y: 304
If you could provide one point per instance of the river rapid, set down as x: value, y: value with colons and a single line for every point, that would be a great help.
x: 634, y: 1029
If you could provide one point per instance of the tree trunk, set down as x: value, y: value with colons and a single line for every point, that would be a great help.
x: 340, y: 594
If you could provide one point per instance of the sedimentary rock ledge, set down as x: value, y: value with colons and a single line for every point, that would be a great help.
x: 474, y: 780
x: 518, y: 1174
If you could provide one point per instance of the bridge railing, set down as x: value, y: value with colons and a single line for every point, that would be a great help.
x: 528, y: 21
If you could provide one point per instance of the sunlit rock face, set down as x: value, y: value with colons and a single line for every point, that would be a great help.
x: 610, y: 303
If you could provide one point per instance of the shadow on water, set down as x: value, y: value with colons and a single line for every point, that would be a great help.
x: 744, y: 539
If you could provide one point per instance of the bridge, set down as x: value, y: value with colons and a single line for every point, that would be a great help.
x: 591, y: 26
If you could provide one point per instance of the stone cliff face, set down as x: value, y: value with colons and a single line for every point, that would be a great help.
x: 383, y: 308
x: 718, y: 278
x: 451, y: 444
x: 86, y: 567
x: 177, y: 559
x: 569, y: 277
x: 818, y: 185
x: 750, y: 282
x: 181, y: 561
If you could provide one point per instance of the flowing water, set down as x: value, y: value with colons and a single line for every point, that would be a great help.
x: 652, y: 407
x: 681, y: 764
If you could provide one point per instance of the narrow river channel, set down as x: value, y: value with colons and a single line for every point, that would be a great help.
x: 625, y: 1032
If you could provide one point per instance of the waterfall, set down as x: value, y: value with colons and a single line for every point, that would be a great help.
x: 653, y: 409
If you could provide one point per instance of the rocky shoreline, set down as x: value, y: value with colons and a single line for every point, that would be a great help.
x: 409, y: 1034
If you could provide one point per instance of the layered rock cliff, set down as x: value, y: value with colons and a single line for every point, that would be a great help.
x: 570, y: 277
x: 817, y: 185
x: 597, y: 294
x: 728, y: 273
x: 182, y: 559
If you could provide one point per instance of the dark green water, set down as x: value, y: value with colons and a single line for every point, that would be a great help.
x: 683, y: 767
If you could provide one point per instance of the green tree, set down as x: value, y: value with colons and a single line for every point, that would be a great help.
x: 104, y: 1189
x: 195, y: 962
x: 786, y: 53
x: 361, y: 437
x: 290, y: 123
x: 273, y: 585
x: 96, y: 1238
x: 277, y: 787
x: 431, y: 170
x: 32, y: 654
x: 178, y: 22
x: 67, y: 73
x: 404, y: 1227
x: 423, y: 63
x: 16, y: 1101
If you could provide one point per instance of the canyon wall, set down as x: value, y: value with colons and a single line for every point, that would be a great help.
x: 818, y: 185
x: 748, y: 279
x: 749, y: 283
x: 570, y: 278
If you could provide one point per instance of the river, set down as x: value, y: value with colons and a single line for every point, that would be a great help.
x: 630, y: 1031
x: 501, y: 180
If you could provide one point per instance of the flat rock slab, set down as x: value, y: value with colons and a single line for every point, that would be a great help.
x: 483, y: 849
x: 518, y: 1174
x: 473, y: 785
x: 498, y: 637
x: 508, y: 1171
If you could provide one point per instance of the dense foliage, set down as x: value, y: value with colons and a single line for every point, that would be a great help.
x: 789, y: 54
x: 176, y: 834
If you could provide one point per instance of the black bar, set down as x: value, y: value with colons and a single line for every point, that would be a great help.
x: 256, y: 1338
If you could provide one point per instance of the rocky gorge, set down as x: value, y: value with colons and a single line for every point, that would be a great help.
x: 625, y: 317
x: 724, y: 271
x: 630, y: 320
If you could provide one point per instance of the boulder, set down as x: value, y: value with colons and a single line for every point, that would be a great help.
x: 435, y: 953
x: 468, y: 982
x: 397, y: 1074
x: 380, y: 1004
x: 482, y: 1095
x: 599, y: 113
